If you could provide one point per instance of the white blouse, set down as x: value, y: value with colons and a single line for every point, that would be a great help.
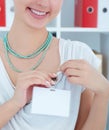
x: 24, y: 120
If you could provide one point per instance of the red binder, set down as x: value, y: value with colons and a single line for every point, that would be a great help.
x: 86, y: 13
x: 2, y: 13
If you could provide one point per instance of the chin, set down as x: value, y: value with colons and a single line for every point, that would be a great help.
x: 36, y: 26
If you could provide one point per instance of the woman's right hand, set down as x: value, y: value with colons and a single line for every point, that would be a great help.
x: 25, y: 83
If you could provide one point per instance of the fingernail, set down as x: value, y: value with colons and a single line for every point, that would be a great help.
x: 54, y: 74
x: 52, y: 82
x: 48, y: 84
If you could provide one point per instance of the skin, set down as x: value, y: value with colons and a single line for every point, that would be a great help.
x: 27, y: 33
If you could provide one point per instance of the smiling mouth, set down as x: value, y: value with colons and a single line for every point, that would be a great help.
x: 37, y: 12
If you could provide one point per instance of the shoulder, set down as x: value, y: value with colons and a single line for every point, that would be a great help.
x: 70, y: 43
x: 76, y: 47
x: 79, y: 50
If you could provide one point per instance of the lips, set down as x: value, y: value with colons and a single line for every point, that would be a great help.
x: 40, y: 13
x: 37, y: 13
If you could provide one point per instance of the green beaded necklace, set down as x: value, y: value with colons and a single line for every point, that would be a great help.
x: 34, y: 54
x: 43, y: 48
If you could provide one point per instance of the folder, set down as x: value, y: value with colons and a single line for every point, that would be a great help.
x: 86, y: 13
x: 103, y: 14
x: 2, y: 13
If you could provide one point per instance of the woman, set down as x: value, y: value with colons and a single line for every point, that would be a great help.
x: 27, y: 59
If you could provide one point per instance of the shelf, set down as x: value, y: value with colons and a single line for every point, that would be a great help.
x: 4, y: 29
x: 69, y: 29
x: 52, y: 29
x: 77, y: 29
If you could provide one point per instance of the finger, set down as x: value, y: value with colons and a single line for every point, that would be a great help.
x: 37, y: 74
x: 35, y: 82
x: 44, y: 75
x: 75, y: 64
x: 47, y: 76
x: 73, y: 72
x: 52, y: 75
x: 75, y: 80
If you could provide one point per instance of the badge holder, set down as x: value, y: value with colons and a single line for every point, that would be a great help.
x: 51, y: 101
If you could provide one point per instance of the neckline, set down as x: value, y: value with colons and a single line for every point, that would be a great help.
x: 7, y: 75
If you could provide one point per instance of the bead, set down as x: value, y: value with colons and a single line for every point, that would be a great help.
x: 44, y: 47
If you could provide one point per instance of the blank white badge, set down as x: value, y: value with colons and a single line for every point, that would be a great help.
x: 50, y: 101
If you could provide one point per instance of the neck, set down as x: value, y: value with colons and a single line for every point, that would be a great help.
x: 25, y: 39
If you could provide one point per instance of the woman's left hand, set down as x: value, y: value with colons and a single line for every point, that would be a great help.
x: 81, y: 72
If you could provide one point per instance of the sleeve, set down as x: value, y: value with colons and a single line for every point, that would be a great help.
x: 89, y: 56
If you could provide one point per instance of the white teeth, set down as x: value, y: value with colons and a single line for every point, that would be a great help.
x: 38, y: 12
